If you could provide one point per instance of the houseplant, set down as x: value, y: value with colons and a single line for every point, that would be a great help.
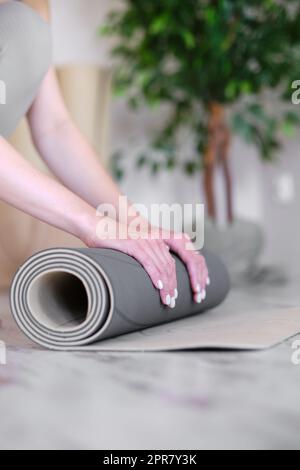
x: 211, y: 62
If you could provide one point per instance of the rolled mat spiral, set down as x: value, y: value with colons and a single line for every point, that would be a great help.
x: 75, y: 298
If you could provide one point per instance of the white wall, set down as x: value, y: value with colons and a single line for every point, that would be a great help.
x: 74, y: 24
x: 75, y: 41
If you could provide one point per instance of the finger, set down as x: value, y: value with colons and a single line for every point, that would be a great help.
x: 169, y: 259
x: 168, y: 273
x: 173, y: 281
x: 195, y: 264
x: 164, y: 264
x: 205, y: 268
x: 195, y: 280
x: 165, y: 286
x: 206, y: 274
x: 145, y: 257
x: 202, y: 276
x: 191, y: 261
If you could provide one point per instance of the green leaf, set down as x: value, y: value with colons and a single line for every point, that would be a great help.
x: 104, y: 30
x: 190, y: 167
x: 133, y: 102
x: 256, y: 110
x: 288, y: 129
x: 246, y: 87
x: 231, y: 90
x: 159, y: 24
x: 116, y: 169
x: 171, y: 163
x: 210, y: 15
x: 189, y: 39
x: 243, y: 127
x: 155, y: 167
x: 142, y: 160
x: 292, y: 117
x: 118, y: 174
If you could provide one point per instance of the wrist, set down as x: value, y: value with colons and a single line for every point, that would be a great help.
x: 85, y: 225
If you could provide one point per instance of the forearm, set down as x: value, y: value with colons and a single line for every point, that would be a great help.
x: 28, y: 189
x: 69, y: 156
x: 66, y: 152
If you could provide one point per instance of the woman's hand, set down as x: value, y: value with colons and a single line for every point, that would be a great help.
x: 182, y: 245
x: 196, y: 265
x: 151, y: 248
x: 153, y: 255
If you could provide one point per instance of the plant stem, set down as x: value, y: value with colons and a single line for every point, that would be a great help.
x: 208, y: 177
x: 209, y: 167
x: 217, y: 147
x: 224, y: 157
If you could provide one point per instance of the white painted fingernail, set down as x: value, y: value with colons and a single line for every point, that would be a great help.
x: 168, y: 300
x: 160, y: 285
x: 173, y: 303
x: 208, y: 281
x: 198, y: 288
x: 198, y: 298
x: 175, y: 294
x: 203, y: 294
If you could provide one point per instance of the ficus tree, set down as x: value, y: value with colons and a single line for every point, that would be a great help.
x: 211, y: 61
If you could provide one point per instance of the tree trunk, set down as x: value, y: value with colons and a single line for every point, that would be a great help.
x: 224, y: 159
x: 210, y: 157
x: 208, y: 177
x: 217, y: 152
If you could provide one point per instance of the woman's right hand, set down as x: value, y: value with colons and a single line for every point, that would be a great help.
x: 153, y: 255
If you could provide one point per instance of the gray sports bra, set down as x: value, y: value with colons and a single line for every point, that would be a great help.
x: 25, y: 57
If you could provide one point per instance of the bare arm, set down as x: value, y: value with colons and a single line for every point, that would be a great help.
x: 64, y: 149
x: 30, y: 190
x: 60, y: 143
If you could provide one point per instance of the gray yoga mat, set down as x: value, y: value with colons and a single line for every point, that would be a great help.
x: 76, y: 298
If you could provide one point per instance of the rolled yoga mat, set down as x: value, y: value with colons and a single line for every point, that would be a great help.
x: 76, y: 298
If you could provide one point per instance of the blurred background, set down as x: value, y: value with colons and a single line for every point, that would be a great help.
x: 236, y: 147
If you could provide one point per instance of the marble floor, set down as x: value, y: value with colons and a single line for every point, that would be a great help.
x: 186, y: 400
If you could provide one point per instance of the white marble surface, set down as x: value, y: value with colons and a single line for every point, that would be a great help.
x: 203, y: 400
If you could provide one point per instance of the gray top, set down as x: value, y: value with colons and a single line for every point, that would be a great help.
x: 25, y: 57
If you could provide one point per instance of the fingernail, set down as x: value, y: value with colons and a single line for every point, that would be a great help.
x: 198, y: 288
x: 160, y: 285
x: 175, y: 294
x: 168, y: 300
x: 208, y: 281
x: 203, y: 294
x: 198, y: 299
x: 173, y: 303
